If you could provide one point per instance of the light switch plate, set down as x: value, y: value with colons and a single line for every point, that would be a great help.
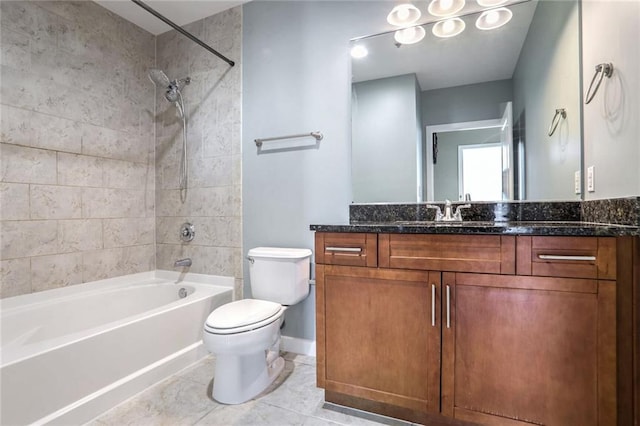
x: 591, y: 180
x: 576, y: 182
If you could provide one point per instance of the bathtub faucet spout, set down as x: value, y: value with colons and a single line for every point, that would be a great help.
x: 182, y: 262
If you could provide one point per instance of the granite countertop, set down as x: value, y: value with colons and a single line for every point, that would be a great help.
x: 560, y: 228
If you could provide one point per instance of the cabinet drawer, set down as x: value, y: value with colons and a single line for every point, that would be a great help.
x: 574, y: 257
x: 347, y: 249
x: 493, y: 254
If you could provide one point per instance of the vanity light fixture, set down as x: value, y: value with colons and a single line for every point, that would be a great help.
x: 410, y: 35
x: 359, y: 51
x: 445, y: 7
x: 494, y: 18
x: 491, y: 3
x: 448, y: 28
x: 403, y: 15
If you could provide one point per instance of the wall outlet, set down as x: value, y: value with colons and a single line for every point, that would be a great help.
x: 591, y: 180
x: 576, y: 182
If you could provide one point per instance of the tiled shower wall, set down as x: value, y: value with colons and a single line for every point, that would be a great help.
x: 77, y: 168
x: 213, y: 103
x: 77, y: 177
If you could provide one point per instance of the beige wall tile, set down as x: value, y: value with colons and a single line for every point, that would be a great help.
x: 14, y: 201
x: 55, y: 202
x: 26, y: 238
x: 125, y: 174
x: 112, y: 203
x: 129, y: 232
x: 15, y: 277
x: 78, y: 144
x: 27, y: 165
x: 80, y: 235
x: 58, y: 270
x: 80, y: 170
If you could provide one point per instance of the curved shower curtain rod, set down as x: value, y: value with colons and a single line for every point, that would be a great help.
x: 183, y: 32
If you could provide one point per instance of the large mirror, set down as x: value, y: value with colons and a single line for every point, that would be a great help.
x: 469, y: 116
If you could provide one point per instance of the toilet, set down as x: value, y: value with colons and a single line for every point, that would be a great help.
x: 245, y: 335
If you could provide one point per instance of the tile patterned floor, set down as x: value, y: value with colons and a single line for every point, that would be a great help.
x: 185, y: 399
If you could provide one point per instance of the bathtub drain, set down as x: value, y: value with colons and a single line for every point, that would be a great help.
x: 182, y: 293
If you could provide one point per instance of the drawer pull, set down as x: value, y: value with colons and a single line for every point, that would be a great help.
x: 344, y: 249
x: 448, y: 307
x: 433, y: 305
x: 566, y: 257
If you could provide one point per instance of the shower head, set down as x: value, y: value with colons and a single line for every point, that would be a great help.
x: 172, y: 93
x: 159, y: 77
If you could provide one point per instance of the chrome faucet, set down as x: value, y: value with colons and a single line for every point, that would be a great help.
x: 449, y: 215
x: 182, y: 262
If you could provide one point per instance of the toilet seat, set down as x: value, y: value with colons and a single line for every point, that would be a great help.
x: 242, y: 315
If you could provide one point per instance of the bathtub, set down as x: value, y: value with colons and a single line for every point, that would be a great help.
x: 69, y: 354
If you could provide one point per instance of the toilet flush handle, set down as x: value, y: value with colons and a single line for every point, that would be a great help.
x: 251, y: 259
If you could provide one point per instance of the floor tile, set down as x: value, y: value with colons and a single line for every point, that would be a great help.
x: 185, y: 399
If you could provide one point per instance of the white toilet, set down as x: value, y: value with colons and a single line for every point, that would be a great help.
x: 245, y: 335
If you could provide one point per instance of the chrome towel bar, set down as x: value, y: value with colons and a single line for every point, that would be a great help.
x: 316, y: 135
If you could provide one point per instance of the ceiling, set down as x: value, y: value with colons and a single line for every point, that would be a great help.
x: 181, y: 12
x: 474, y: 56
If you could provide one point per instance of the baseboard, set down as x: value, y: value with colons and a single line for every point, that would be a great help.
x: 298, y: 346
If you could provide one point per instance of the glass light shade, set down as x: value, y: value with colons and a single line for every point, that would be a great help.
x: 410, y: 35
x: 449, y: 28
x: 403, y: 15
x: 492, y: 19
x: 359, y: 51
x: 491, y: 3
x: 445, y: 7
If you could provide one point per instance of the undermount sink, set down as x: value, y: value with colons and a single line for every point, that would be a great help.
x: 449, y: 223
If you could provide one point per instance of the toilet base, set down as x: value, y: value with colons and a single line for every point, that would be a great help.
x: 238, y: 378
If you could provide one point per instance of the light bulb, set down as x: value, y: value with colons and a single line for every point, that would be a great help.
x: 448, y: 26
x: 445, y: 7
x: 359, y: 51
x: 403, y: 15
x: 492, y: 17
x: 409, y: 35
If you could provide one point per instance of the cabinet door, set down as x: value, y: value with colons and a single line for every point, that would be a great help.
x: 379, y: 335
x: 522, y: 350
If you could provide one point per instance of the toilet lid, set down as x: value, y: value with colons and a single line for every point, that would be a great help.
x: 242, y: 313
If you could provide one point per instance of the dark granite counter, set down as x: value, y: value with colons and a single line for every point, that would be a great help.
x: 566, y: 228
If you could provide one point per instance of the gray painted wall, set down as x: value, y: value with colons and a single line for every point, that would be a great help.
x: 296, y: 79
x: 472, y: 102
x: 385, y: 139
x: 543, y: 81
x: 612, y: 119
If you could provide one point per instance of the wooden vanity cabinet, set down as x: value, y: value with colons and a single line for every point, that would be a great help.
x: 523, y: 350
x: 380, y: 335
x: 495, y: 330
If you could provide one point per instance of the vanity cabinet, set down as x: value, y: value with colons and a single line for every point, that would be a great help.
x: 490, y: 329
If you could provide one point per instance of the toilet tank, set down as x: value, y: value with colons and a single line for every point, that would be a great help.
x: 279, y: 275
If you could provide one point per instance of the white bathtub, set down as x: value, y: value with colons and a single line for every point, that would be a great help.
x: 66, y: 355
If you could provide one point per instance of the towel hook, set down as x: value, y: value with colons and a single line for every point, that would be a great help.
x: 560, y: 113
x: 604, y: 70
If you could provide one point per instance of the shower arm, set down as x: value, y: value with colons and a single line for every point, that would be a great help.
x: 183, y: 32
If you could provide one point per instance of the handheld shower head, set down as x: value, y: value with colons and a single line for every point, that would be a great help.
x: 172, y: 93
x: 158, y: 77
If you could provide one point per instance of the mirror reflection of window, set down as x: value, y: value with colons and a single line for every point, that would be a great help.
x: 480, y: 172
